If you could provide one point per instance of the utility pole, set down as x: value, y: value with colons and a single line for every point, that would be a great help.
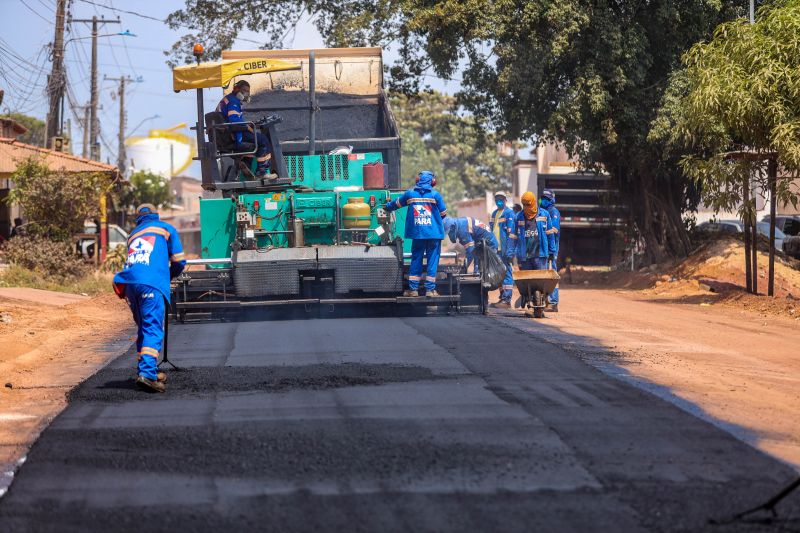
x: 94, y: 127
x: 56, y: 80
x: 121, y: 135
x: 86, y: 118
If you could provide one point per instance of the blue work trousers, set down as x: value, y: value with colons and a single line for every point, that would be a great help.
x: 429, y: 248
x: 147, y: 306
x: 554, y: 295
x: 508, y: 281
x: 263, y: 148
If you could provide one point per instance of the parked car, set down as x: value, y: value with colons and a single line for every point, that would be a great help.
x: 790, y: 225
x: 116, y: 237
x: 736, y: 226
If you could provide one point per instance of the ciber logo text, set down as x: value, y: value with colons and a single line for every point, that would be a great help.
x: 253, y: 65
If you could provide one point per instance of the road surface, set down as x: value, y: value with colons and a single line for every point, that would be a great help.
x: 388, y: 424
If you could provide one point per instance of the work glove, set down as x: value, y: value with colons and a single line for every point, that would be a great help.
x: 551, y: 257
x: 388, y: 206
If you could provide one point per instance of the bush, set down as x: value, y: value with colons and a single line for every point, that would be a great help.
x: 53, y: 260
x: 93, y: 283
x: 56, y: 203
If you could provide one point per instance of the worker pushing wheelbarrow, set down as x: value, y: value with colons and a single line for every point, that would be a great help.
x: 537, y: 278
x: 534, y: 287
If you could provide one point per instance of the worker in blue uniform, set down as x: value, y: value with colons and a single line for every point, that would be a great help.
x: 468, y: 232
x: 425, y: 227
x: 501, y: 224
x: 155, y: 256
x: 533, y: 229
x: 548, y: 202
x: 231, y: 108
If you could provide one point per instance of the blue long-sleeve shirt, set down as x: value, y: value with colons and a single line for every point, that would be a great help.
x: 555, y: 218
x: 501, y: 224
x: 155, y: 255
x: 532, y: 234
x: 470, y: 230
x: 424, y: 221
x: 231, y: 109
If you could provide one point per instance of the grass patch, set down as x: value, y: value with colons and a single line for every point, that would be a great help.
x: 90, y: 284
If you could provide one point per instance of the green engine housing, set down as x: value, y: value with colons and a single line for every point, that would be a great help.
x: 321, y: 186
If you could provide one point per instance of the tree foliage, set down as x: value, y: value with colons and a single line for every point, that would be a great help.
x: 740, y: 92
x: 56, y: 203
x: 148, y: 188
x: 590, y: 74
x: 36, y: 128
x: 461, y: 153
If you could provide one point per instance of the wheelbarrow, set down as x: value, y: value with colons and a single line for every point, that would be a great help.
x: 534, y: 287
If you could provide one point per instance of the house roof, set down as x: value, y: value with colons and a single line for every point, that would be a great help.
x: 13, y: 151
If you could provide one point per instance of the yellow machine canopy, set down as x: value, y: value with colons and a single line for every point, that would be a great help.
x: 220, y: 73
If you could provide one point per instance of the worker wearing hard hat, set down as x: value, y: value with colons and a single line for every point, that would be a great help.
x: 468, y: 232
x: 425, y: 227
x: 501, y: 224
x: 155, y: 255
x: 534, y: 234
x: 231, y: 109
x: 548, y: 202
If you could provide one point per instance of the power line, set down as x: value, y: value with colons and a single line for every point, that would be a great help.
x: 127, y: 54
x: 134, y: 13
x: 35, y: 12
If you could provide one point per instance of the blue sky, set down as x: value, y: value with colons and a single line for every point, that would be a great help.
x: 26, y: 27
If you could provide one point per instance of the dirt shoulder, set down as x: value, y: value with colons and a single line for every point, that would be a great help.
x: 50, y: 343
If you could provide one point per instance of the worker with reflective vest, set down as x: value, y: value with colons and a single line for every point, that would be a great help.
x: 424, y: 226
x: 468, y: 232
x: 534, y: 233
x: 231, y: 109
x: 548, y: 202
x: 155, y: 256
x: 501, y: 224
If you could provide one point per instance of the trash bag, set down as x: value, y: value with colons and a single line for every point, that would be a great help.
x: 494, y: 271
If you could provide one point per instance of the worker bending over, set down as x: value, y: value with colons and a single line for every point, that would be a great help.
x: 548, y: 202
x: 231, y: 108
x: 468, y: 231
x: 155, y: 256
x: 424, y: 226
x: 534, y: 234
x: 501, y: 224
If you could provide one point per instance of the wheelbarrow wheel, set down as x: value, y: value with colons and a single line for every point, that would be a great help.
x: 538, y: 310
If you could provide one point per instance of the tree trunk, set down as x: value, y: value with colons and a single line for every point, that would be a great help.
x: 754, y: 232
x: 773, y: 201
x: 746, y: 221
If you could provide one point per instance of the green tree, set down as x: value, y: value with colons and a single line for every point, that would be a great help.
x: 436, y: 137
x: 148, y: 188
x: 590, y: 74
x: 735, y: 106
x: 56, y: 203
x: 36, y: 128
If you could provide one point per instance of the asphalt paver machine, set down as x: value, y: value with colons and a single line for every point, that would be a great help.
x: 313, y: 236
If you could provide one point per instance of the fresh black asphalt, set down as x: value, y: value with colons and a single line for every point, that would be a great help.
x: 382, y: 424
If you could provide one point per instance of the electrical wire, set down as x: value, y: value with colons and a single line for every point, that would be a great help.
x: 134, y: 13
x: 35, y: 12
x: 127, y: 54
